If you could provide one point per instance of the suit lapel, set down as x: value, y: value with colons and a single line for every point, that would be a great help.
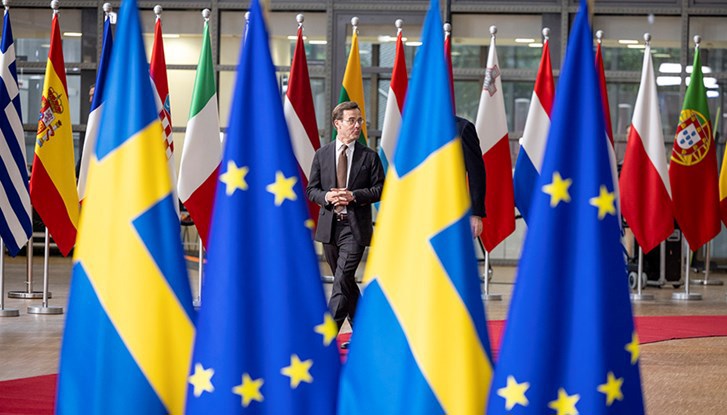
x: 328, y: 166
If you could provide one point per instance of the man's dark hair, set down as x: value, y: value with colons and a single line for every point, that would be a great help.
x: 337, y: 112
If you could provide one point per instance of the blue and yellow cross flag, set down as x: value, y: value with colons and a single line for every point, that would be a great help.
x: 569, y: 345
x: 265, y: 340
x: 129, y: 331
x: 420, y: 343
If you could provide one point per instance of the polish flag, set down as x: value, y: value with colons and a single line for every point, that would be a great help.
x: 645, y: 190
x: 301, y: 118
x: 491, y: 125
x: 533, y: 143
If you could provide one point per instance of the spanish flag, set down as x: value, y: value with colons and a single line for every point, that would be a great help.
x: 53, y: 179
x: 352, y: 87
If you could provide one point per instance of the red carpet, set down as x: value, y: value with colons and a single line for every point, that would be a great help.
x: 35, y: 396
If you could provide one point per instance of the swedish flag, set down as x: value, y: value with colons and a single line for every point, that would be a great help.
x: 569, y: 345
x: 265, y: 340
x: 420, y: 344
x: 128, y: 336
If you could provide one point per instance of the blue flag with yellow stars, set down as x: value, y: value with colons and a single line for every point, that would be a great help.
x: 265, y: 341
x: 420, y: 343
x: 569, y: 345
x: 129, y: 332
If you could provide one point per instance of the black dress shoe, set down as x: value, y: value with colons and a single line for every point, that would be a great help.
x: 344, y: 345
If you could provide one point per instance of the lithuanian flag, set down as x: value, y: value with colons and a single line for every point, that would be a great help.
x: 352, y: 87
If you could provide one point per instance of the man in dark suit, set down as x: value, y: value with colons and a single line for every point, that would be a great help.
x: 346, y: 178
x: 475, y: 167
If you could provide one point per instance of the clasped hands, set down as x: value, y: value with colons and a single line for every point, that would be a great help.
x: 339, y: 197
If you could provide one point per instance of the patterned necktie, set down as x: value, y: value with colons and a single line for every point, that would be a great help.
x: 342, y: 169
x: 341, y: 173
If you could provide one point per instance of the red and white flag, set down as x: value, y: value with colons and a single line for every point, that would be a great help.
x: 491, y: 127
x: 202, y: 149
x: 158, y: 72
x: 645, y: 191
x: 301, y: 117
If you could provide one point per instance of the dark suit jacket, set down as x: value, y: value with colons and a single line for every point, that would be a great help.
x: 474, y: 165
x: 366, y: 180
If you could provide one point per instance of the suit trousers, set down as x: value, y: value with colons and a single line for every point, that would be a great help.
x: 343, y: 255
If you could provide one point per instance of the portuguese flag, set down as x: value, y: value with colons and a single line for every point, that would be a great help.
x: 693, y: 167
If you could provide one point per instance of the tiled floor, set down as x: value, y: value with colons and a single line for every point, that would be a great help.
x: 679, y: 377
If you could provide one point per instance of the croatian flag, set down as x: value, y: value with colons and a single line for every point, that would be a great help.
x: 532, y: 145
x: 394, y: 105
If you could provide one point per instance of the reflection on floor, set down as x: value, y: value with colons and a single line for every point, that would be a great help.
x: 679, y: 376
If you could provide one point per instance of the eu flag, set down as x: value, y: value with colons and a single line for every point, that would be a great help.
x: 265, y: 341
x: 420, y: 344
x: 129, y: 331
x: 569, y: 345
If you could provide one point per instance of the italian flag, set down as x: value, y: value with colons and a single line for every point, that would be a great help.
x: 202, y: 149
x: 53, y: 178
x: 491, y: 127
x: 352, y: 87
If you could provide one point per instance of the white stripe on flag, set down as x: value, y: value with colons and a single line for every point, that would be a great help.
x: 302, y: 146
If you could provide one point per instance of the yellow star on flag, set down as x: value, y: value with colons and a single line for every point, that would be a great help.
x: 558, y: 189
x: 298, y: 371
x: 328, y: 329
x: 282, y: 188
x: 234, y: 177
x: 309, y: 223
x: 633, y: 348
x: 565, y: 404
x: 249, y: 390
x: 202, y: 380
x: 612, y: 389
x: 604, y: 202
x: 514, y: 393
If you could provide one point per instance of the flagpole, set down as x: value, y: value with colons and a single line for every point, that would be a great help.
x: 4, y: 312
x: 638, y: 296
x: 197, y: 303
x: 44, y: 308
x: 686, y: 295
x: 486, y: 277
x: 707, y: 259
x: 28, y: 294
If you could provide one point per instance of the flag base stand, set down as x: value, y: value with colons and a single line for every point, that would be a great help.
x: 686, y: 296
x: 44, y: 308
x: 27, y: 295
x: 486, y: 296
x: 196, y: 303
x: 492, y: 297
x: 40, y: 309
x: 642, y: 297
x: 706, y: 282
x: 327, y: 278
x: 9, y: 312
